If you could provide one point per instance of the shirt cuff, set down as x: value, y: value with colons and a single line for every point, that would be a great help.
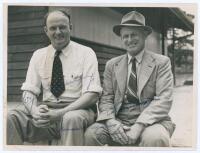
x: 105, y: 115
x: 29, y: 87
x: 93, y: 88
x: 143, y: 121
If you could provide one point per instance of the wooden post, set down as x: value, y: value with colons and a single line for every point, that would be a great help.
x: 163, y: 31
x: 173, y: 56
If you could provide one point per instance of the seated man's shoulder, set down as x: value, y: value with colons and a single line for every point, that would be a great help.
x: 41, y: 51
x: 79, y: 47
x: 158, y: 58
x: 115, y: 60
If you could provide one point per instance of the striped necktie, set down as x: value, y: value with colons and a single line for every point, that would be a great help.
x: 132, y: 84
x: 57, y: 80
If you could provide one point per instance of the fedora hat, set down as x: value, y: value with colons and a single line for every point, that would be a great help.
x: 132, y: 19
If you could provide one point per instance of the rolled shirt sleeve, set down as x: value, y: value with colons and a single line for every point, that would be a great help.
x: 33, y: 81
x: 90, y: 78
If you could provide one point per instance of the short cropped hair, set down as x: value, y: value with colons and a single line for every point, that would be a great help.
x: 62, y: 11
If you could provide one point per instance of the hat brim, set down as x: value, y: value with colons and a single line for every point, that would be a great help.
x: 117, y: 28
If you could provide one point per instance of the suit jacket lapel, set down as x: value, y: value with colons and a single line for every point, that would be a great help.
x: 146, y: 70
x: 121, y: 71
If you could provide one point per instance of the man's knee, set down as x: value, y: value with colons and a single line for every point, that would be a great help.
x: 155, y: 141
x: 73, y: 119
x: 14, y: 131
x: 11, y: 116
x: 90, y: 133
x: 157, y: 137
x: 96, y: 135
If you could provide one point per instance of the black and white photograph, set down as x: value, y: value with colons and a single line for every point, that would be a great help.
x: 108, y: 76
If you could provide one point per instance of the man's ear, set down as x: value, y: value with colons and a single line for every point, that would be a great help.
x: 45, y: 30
x: 145, y: 34
x: 70, y: 26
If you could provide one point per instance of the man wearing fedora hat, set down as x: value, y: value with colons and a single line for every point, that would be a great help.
x: 137, y: 93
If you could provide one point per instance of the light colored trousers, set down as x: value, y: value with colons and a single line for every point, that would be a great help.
x: 155, y: 135
x: 69, y: 131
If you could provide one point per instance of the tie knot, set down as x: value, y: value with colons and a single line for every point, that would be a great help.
x: 58, y: 52
x: 133, y: 59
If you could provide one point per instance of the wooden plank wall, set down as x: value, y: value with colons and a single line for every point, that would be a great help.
x: 25, y: 35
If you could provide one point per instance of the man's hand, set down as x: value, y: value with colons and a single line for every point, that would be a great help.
x: 116, y: 131
x: 37, y: 111
x: 52, y: 115
x: 38, y: 120
x: 134, y: 133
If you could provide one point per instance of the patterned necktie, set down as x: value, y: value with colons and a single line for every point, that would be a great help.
x: 57, y: 80
x: 132, y: 84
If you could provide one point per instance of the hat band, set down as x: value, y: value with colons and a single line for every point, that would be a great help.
x: 132, y: 22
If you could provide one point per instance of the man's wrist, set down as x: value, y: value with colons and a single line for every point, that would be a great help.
x: 109, y: 120
x: 61, y: 112
x: 140, y: 126
x: 32, y: 109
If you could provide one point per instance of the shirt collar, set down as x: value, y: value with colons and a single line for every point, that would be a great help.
x: 138, y: 57
x: 65, y: 50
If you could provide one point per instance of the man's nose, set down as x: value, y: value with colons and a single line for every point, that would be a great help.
x: 130, y: 38
x: 58, y: 30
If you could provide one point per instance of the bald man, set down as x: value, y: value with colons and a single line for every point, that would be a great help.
x: 70, y: 89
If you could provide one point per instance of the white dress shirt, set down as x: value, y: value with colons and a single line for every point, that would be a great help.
x: 80, y: 70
